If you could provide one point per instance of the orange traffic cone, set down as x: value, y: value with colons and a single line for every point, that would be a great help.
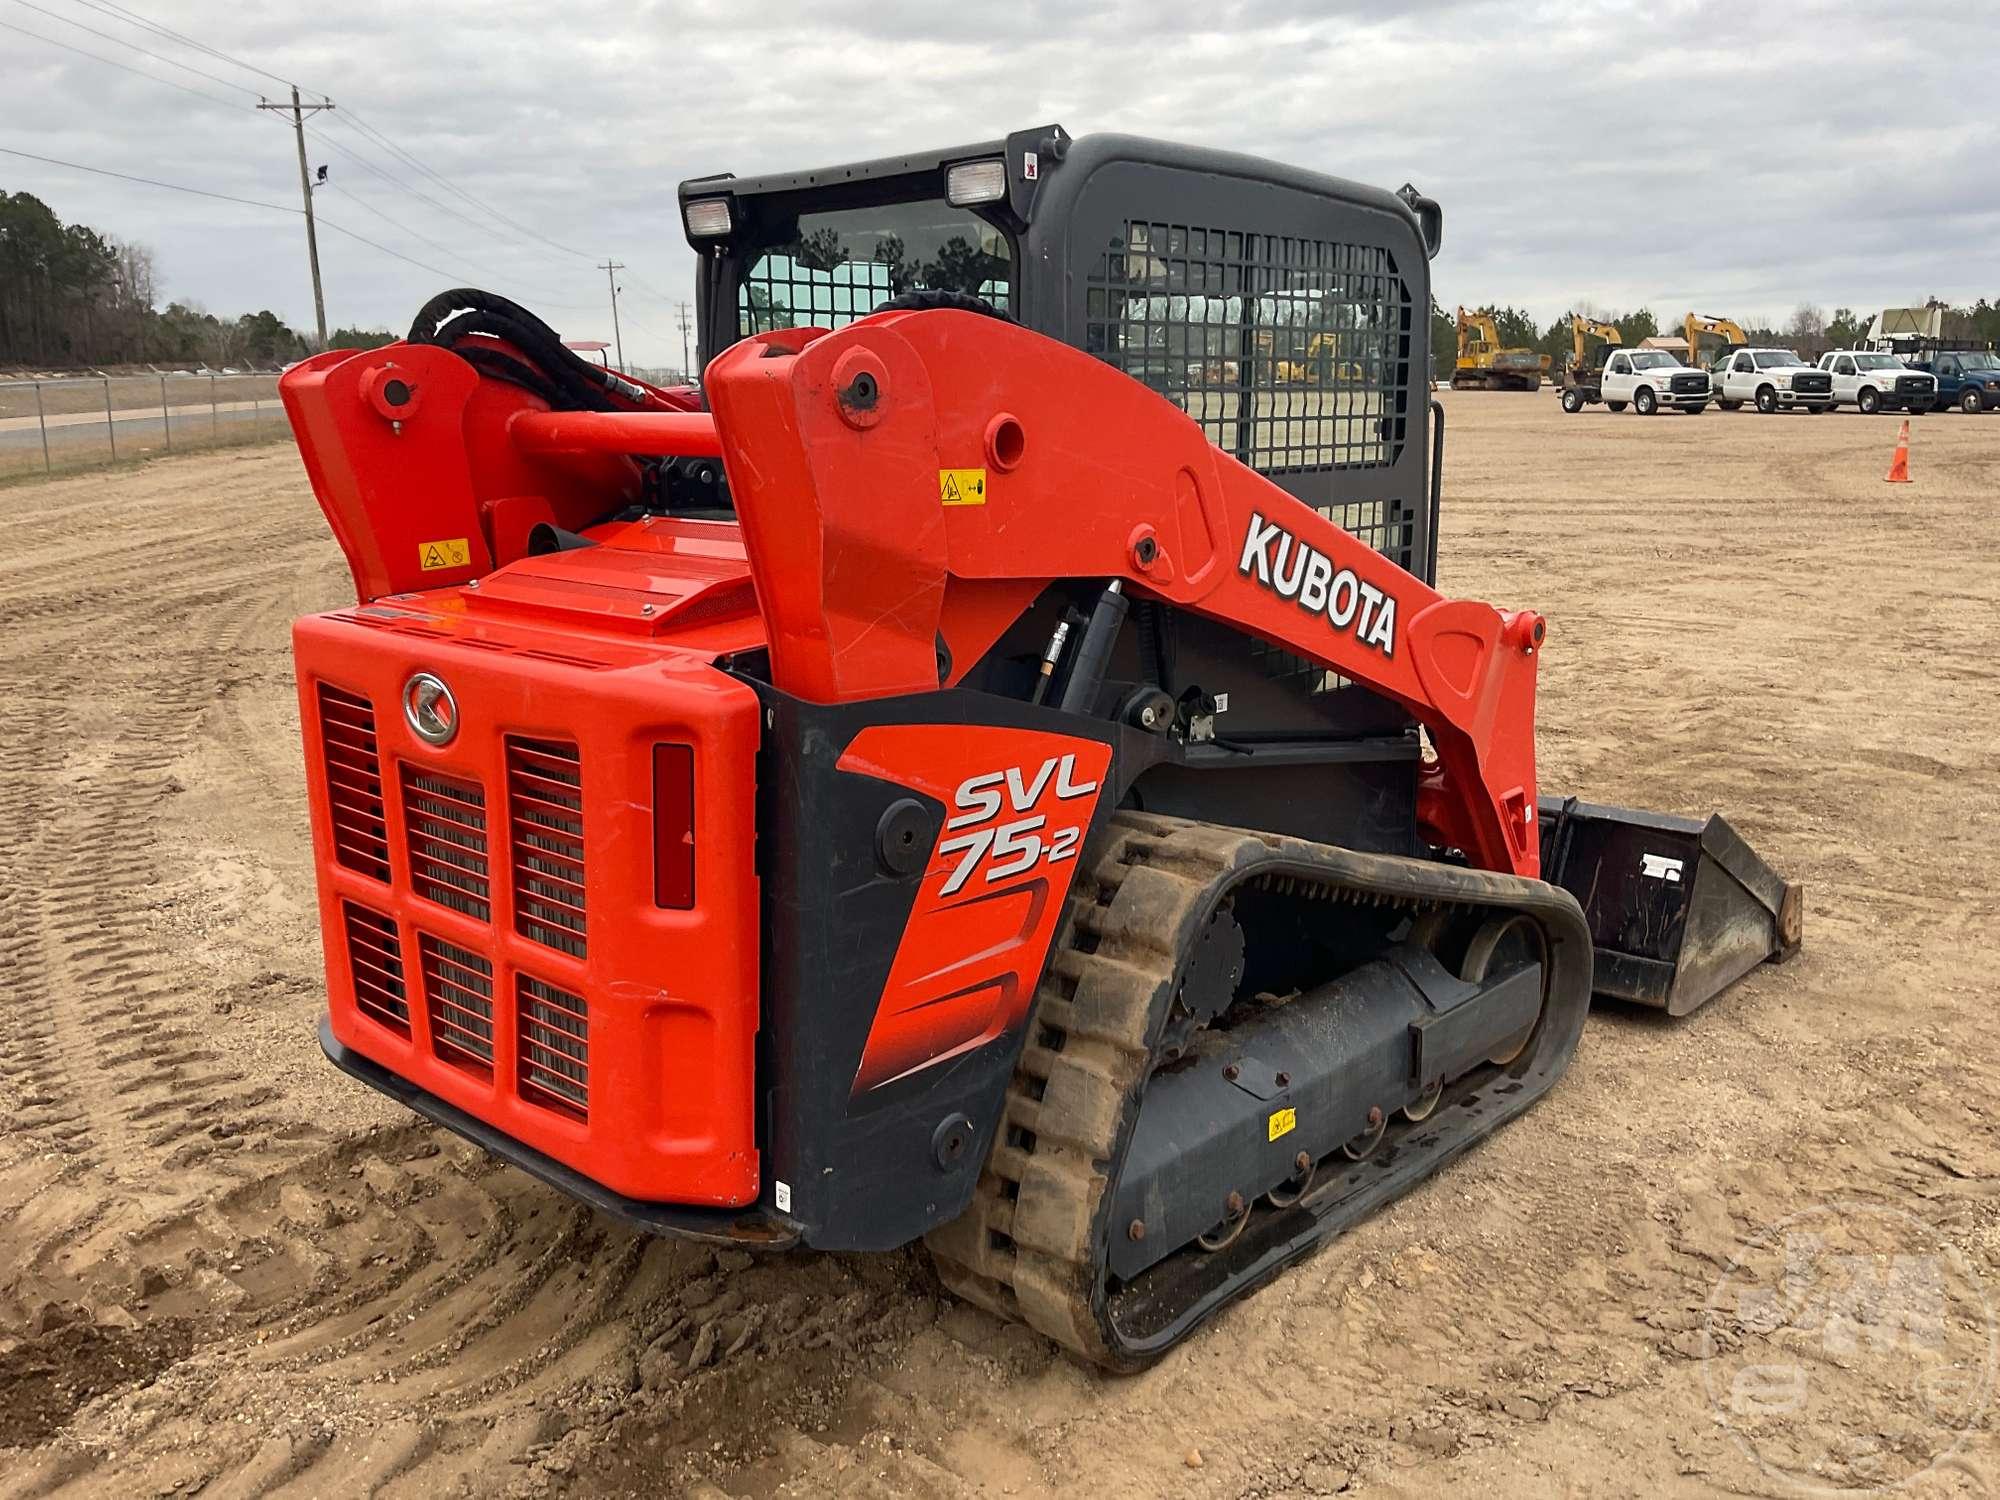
x: 1899, y: 466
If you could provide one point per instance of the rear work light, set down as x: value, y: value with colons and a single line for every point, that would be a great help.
x: 707, y: 218
x: 975, y: 182
x: 673, y: 827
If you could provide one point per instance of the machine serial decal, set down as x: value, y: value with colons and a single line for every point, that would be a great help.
x: 1294, y: 570
x: 1018, y: 845
x: 1659, y: 867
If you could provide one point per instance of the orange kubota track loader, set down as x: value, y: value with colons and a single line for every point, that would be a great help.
x: 990, y: 766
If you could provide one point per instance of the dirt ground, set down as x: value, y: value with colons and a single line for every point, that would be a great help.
x: 227, y: 1270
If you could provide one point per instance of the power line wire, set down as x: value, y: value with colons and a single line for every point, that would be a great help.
x: 390, y: 146
x: 116, y: 11
x: 130, y: 17
x: 325, y: 223
x: 112, y: 62
x: 479, y: 274
x: 77, y: 166
x: 144, y: 52
x: 484, y: 230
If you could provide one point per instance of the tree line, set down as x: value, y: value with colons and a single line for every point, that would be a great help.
x: 76, y: 297
x: 1809, y: 330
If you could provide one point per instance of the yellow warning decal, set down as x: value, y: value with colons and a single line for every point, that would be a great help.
x: 452, y: 553
x: 1283, y: 1122
x: 962, y: 486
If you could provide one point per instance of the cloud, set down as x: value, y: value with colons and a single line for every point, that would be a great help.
x: 1735, y: 158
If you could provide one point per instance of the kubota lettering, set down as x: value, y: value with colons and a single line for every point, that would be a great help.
x: 1294, y: 569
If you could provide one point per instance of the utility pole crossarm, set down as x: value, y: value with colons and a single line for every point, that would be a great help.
x: 298, y: 112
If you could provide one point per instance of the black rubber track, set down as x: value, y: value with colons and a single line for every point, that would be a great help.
x: 1033, y: 1247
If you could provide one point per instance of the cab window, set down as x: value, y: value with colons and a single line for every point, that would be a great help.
x: 1621, y: 365
x: 1743, y: 364
x: 1843, y: 366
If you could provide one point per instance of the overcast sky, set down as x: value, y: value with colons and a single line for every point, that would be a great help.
x: 1734, y: 158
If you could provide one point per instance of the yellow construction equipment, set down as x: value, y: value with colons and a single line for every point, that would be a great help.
x: 1484, y: 365
x: 1696, y: 325
x: 1582, y: 331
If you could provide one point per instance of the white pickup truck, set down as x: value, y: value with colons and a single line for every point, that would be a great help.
x: 1773, y: 379
x: 1645, y: 379
x: 1872, y: 381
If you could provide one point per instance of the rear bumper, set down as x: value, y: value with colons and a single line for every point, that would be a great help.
x: 757, y: 1227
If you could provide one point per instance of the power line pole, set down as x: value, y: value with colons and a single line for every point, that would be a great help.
x: 610, y: 269
x: 298, y: 113
x: 686, y: 358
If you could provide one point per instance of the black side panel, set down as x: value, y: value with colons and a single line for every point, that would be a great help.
x: 876, y: 1172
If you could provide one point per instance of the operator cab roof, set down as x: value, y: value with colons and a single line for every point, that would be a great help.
x: 1026, y: 157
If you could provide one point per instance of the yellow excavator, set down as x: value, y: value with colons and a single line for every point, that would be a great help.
x: 1484, y: 366
x: 1582, y: 330
x: 1731, y: 334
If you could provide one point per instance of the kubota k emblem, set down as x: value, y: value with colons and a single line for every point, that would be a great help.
x: 430, y: 709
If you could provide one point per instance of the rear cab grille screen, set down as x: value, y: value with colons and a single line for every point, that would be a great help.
x: 458, y: 999
x: 446, y: 821
x: 545, y: 838
x: 375, y: 959
x: 353, y: 782
x: 554, y: 1047
x: 1293, y: 354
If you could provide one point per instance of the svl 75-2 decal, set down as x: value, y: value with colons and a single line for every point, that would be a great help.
x: 1018, y: 804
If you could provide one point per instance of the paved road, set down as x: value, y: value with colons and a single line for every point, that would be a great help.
x: 138, y: 426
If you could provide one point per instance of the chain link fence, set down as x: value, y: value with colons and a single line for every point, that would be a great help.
x: 52, y: 426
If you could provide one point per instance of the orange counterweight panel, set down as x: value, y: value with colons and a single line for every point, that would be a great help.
x: 489, y: 904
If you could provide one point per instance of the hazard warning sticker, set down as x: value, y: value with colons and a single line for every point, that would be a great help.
x: 455, y: 552
x: 1283, y: 1122
x: 962, y: 486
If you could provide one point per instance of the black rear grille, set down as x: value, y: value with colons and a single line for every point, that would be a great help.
x: 353, y: 782
x: 554, y: 1044
x: 545, y: 833
x: 458, y: 998
x: 375, y: 959
x: 446, y: 821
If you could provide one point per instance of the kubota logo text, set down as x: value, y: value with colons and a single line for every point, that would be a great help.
x: 1294, y: 570
x: 1009, y: 848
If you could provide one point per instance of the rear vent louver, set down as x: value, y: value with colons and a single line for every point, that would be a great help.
x: 553, y: 1041
x: 353, y: 782
x: 375, y: 959
x: 446, y: 819
x: 458, y: 998
x: 545, y: 833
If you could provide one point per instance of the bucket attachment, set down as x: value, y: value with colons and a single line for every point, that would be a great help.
x: 1679, y: 909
